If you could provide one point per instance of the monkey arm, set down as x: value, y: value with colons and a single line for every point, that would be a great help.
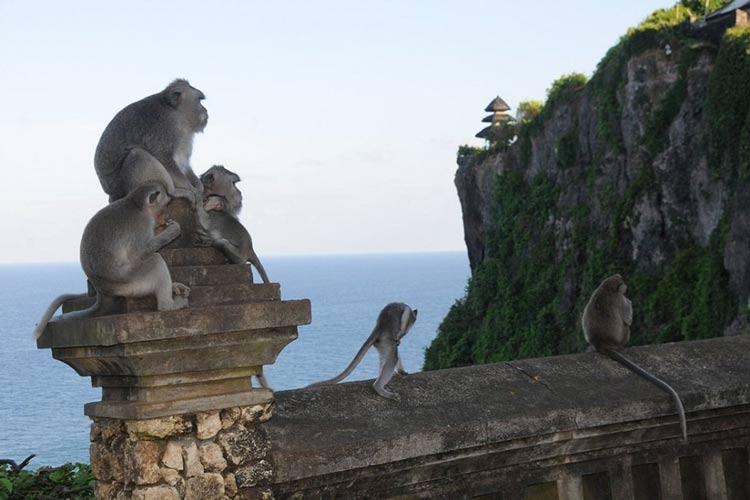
x: 627, y: 312
x: 170, y: 233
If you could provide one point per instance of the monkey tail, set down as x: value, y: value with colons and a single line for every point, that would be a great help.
x: 55, y: 305
x: 656, y: 381
x: 360, y: 354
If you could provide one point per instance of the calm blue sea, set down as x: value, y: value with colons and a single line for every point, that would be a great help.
x: 41, y: 410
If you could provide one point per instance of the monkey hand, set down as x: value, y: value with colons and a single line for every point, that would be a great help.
x: 402, y: 372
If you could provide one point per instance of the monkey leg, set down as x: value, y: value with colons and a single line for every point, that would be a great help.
x: 231, y: 250
x: 400, y: 367
x: 141, y: 167
x: 388, y: 361
x: 153, y: 278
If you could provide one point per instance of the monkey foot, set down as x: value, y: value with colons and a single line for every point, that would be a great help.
x: 180, y: 290
x: 387, y: 394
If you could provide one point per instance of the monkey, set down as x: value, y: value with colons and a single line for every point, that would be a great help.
x: 118, y: 253
x: 606, y: 321
x: 394, y: 321
x: 223, y: 202
x: 151, y: 140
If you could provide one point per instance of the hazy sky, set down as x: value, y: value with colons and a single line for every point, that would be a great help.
x: 342, y: 118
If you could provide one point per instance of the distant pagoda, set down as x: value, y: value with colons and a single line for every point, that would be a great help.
x: 498, y: 108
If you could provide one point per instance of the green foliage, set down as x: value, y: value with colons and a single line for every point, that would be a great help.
x: 528, y: 110
x: 698, y: 7
x: 69, y: 481
x: 728, y: 104
x: 567, y: 149
x: 561, y: 90
x: 657, y: 30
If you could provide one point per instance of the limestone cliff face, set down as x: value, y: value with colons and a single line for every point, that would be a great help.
x: 617, y: 178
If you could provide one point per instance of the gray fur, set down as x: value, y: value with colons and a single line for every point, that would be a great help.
x: 606, y: 326
x: 151, y: 140
x: 223, y: 202
x: 385, y: 337
x: 118, y: 255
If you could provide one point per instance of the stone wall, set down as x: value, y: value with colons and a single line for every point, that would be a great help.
x: 570, y: 427
x: 205, y: 456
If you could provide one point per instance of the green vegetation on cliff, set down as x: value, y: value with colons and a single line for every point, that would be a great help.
x: 544, y: 257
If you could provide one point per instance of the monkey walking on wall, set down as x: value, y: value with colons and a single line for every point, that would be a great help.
x: 119, y: 255
x: 606, y: 325
x: 223, y: 202
x: 393, y: 323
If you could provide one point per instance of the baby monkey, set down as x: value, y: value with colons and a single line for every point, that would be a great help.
x: 223, y: 202
x: 394, y: 321
x: 119, y: 255
x: 606, y: 326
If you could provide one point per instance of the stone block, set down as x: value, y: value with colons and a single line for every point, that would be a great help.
x: 243, y: 445
x: 172, y: 456
x: 157, y: 428
x: 212, y: 457
x: 143, y: 464
x: 209, y: 486
x: 156, y: 493
x: 208, y: 423
x: 170, y: 476
x: 229, y: 416
x: 251, y: 475
x: 191, y: 458
x: 230, y: 484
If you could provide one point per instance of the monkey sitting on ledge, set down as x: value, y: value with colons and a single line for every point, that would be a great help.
x: 606, y: 325
x: 119, y: 255
x: 223, y: 202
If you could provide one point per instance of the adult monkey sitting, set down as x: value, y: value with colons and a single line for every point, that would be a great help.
x: 151, y: 140
x: 119, y: 256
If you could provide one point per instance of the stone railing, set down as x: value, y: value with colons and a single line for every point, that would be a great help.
x: 567, y: 427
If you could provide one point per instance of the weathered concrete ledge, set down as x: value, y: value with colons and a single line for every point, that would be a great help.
x: 506, y: 430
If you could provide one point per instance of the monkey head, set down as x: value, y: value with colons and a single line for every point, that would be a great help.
x: 153, y: 199
x: 614, y: 284
x: 218, y: 181
x: 186, y: 99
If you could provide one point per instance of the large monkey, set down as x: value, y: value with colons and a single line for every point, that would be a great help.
x: 223, y: 204
x: 118, y: 255
x: 394, y: 321
x: 606, y: 326
x: 151, y: 140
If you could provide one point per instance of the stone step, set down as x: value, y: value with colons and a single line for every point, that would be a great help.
x: 196, y: 256
x: 211, y: 275
x: 188, y: 322
x: 200, y: 296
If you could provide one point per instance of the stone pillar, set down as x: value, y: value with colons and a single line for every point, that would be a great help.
x: 179, y: 417
x: 203, y: 456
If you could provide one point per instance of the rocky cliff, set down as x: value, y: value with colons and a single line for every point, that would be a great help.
x: 642, y: 171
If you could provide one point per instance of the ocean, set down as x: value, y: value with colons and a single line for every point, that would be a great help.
x: 41, y: 411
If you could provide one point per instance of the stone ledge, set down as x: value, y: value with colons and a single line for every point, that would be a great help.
x: 189, y: 322
x: 574, y: 407
x: 200, y: 296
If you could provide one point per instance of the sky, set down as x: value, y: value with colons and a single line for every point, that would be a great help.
x: 342, y: 117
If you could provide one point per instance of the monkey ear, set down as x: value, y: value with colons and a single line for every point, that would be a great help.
x: 415, y: 312
x: 153, y: 197
x: 207, y: 180
x: 174, y: 97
